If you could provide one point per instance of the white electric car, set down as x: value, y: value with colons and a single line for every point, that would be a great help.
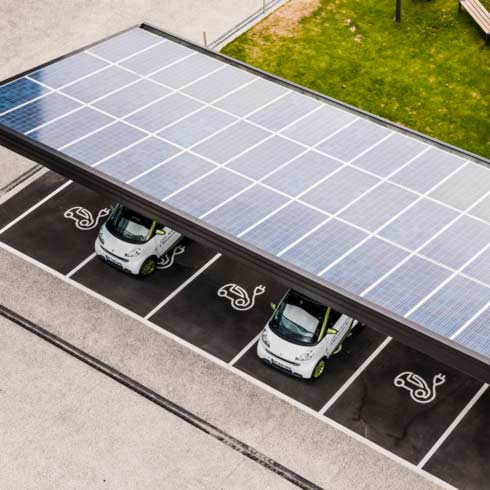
x: 302, y: 334
x: 133, y: 243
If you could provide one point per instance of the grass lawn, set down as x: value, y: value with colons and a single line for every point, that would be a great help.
x: 430, y: 73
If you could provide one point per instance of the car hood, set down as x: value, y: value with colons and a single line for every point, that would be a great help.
x: 117, y: 246
x: 283, y: 348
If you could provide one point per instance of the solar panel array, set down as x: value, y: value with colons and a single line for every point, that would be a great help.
x: 373, y: 210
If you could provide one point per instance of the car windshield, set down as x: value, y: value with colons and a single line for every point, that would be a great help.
x: 298, y: 319
x: 128, y: 225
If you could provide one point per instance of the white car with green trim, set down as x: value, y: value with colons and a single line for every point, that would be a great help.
x: 301, y: 336
x: 133, y: 243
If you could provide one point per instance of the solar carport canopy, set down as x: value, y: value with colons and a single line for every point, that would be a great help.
x: 387, y: 225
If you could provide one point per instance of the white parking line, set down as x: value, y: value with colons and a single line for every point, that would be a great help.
x: 355, y: 375
x: 245, y: 350
x: 172, y: 295
x: 80, y: 265
x: 453, y: 426
x: 223, y: 364
x: 37, y: 205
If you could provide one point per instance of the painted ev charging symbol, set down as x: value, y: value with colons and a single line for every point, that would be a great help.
x: 168, y: 259
x: 239, y: 298
x: 84, y: 219
x: 419, y: 389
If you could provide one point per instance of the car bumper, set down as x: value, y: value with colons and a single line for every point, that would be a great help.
x: 300, y: 370
x: 131, y: 265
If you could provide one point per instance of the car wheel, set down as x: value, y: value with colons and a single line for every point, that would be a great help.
x: 319, y: 369
x: 148, y: 267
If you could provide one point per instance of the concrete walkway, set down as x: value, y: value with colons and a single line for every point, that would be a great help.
x: 64, y: 425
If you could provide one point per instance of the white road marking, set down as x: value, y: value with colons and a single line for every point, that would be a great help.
x: 241, y: 353
x: 453, y: 426
x: 84, y: 219
x: 226, y: 366
x: 420, y: 390
x: 240, y: 299
x: 80, y: 265
x: 33, y: 208
x: 168, y: 259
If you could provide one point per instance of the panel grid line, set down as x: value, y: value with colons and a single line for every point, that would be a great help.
x: 223, y: 165
x: 350, y: 203
x: 277, y: 169
x: 384, y: 225
x: 456, y: 271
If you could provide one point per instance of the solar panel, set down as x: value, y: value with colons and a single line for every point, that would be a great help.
x: 301, y: 173
x: 475, y: 335
x: 451, y: 306
x: 355, y: 271
x: 427, y: 170
x: 479, y: 267
x: 132, y: 162
x: 40, y: 111
x: 246, y: 209
x: 408, y: 285
x: 362, y: 205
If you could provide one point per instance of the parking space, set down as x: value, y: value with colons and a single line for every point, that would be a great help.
x: 404, y: 401
x: 61, y: 232
x: 142, y: 295
x: 463, y: 459
x: 29, y: 196
x: 223, y: 309
x: 340, y: 368
x: 390, y: 394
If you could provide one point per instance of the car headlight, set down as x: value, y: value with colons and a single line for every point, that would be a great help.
x: 306, y: 356
x: 101, y: 237
x: 265, y: 338
x: 134, y: 253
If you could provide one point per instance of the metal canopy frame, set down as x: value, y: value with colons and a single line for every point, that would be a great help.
x: 401, y: 329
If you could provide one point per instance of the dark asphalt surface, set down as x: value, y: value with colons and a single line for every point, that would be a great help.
x: 392, y: 417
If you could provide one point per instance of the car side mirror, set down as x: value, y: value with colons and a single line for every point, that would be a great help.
x: 273, y: 306
x: 160, y: 232
x: 332, y: 331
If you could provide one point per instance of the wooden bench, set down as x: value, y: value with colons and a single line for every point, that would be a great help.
x: 479, y: 13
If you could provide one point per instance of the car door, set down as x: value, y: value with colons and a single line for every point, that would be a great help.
x: 166, y: 238
x: 339, y: 325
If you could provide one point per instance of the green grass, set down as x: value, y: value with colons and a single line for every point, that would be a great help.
x: 430, y: 73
